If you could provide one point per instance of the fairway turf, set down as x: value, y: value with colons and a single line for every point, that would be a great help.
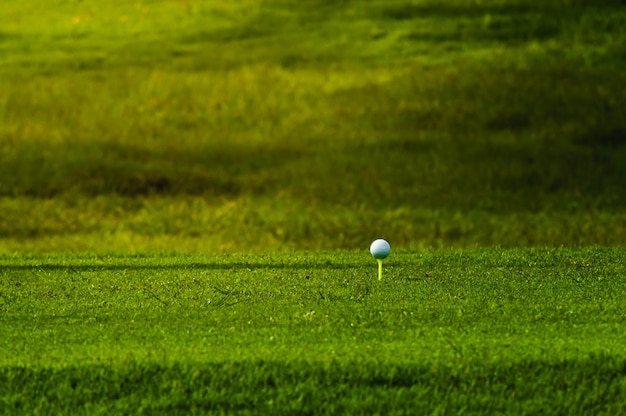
x: 521, y: 331
x: 183, y: 186
x: 309, y: 125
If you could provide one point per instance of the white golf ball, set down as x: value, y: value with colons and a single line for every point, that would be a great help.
x: 380, y: 249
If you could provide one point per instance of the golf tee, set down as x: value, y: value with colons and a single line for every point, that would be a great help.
x: 380, y: 269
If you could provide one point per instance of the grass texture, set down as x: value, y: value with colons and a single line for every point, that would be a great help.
x: 279, y: 125
x: 184, y: 186
x: 519, y: 331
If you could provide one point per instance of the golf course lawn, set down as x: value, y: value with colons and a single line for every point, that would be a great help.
x: 188, y: 189
x: 520, y: 331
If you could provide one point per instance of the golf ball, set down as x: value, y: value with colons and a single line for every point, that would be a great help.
x: 380, y: 249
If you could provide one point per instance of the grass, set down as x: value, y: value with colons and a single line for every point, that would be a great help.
x: 482, y: 331
x: 263, y: 126
x: 184, y: 186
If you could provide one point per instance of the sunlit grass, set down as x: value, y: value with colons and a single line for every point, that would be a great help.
x: 512, y: 331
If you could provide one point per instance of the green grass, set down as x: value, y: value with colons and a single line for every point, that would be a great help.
x: 275, y: 126
x: 184, y: 186
x: 521, y: 331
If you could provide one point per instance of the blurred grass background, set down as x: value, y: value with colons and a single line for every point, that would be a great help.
x: 281, y: 125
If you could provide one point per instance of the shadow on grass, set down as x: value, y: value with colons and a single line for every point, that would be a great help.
x: 132, y: 171
x: 592, y: 384
x: 79, y: 268
x: 479, y: 9
x: 510, y: 29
